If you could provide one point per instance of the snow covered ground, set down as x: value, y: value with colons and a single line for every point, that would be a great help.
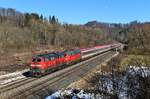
x: 8, y: 78
x: 73, y: 94
x: 127, y: 86
x: 130, y: 82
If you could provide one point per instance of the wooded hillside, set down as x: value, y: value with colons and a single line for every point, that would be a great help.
x: 27, y: 31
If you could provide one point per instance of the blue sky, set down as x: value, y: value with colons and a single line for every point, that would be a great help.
x: 82, y: 11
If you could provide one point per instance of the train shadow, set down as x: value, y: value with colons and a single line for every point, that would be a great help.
x: 27, y: 74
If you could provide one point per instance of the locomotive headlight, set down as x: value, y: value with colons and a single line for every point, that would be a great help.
x: 32, y: 65
x: 37, y: 65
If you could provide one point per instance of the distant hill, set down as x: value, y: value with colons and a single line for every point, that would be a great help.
x: 103, y: 24
x: 95, y: 24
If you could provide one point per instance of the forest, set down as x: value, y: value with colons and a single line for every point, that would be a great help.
x: 28, y: 31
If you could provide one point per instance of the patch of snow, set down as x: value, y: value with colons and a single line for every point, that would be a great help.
x: 142, y: 71
x: 72, y: 93
x: 7, y: 78
x: 11, y: 80
x: 54, y: 95
x: 130, y: 81
x: 13, y: 74
x: 106, y: 84
x: 83, y: 95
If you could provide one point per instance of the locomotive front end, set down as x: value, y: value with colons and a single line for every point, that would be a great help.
x: 37, y: 66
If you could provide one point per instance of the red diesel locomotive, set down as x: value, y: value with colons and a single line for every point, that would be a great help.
x: 45, y: 63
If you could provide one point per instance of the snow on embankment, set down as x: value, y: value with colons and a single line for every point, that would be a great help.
x: 134, y: 81
x: 126, y: 87
x: 72, y: 94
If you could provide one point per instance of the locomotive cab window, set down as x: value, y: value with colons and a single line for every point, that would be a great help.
x: 33, y: 60
x: 36, y: 60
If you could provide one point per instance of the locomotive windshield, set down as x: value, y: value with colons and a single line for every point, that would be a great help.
x: 36, y: 60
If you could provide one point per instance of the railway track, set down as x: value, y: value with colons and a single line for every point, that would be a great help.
x: 34, y: 87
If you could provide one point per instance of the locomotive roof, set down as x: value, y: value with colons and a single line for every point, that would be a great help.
x: 46, y: 54
x: 50, y: 54
x: 60, y: 53
x: 72, y: 50
x: 55, y: 54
